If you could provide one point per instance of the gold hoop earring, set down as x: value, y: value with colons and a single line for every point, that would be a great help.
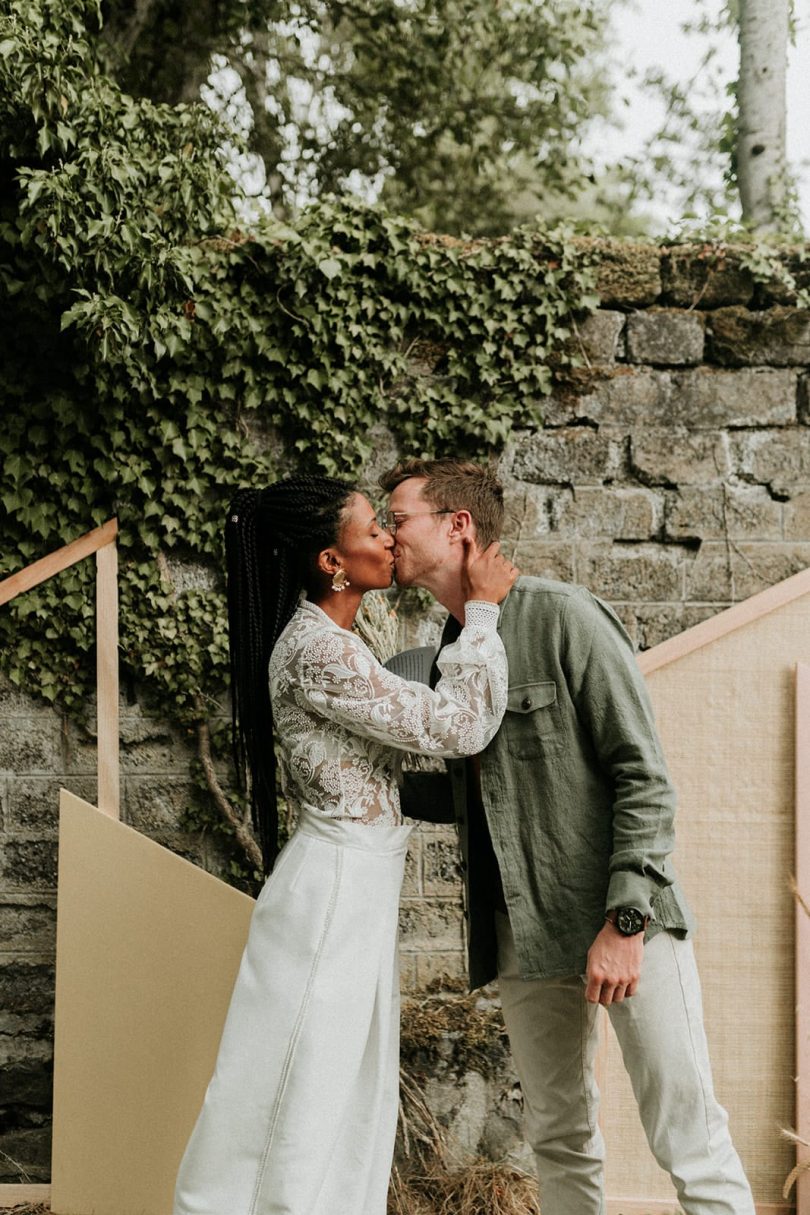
x: 340, y: 581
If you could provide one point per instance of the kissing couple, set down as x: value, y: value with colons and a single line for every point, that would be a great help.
x: 558, y: 784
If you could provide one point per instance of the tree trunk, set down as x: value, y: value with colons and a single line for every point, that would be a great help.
x: 161, y: 49
x: 761, y: 166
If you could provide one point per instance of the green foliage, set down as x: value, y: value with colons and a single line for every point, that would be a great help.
x: 765, y: 261
x: 690, y: 160
x: 336, y: 321
x: 158, y: 358
x: 466, y: 114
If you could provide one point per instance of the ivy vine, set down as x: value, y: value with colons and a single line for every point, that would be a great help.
x: 160, y: 357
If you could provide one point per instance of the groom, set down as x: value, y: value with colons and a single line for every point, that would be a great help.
x: 566, y: 829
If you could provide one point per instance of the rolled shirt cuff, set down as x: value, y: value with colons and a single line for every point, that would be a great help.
x: 627, y: 889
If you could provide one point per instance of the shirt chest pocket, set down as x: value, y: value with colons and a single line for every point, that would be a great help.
x: 533, y: 719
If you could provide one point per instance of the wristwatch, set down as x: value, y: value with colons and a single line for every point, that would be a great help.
x: 627, y: 920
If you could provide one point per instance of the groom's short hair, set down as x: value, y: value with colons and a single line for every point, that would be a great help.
x: 456, y: 485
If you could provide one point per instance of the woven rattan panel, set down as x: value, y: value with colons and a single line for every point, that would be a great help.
x: 726, y: 717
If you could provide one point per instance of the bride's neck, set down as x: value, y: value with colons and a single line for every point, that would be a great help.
x: 340, y: 606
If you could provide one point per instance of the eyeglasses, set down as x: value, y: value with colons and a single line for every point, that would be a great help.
x: 391, y: 520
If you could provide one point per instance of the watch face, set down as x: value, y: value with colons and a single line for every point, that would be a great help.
x: 629, y: 921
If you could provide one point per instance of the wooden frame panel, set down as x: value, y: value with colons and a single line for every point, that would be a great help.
x: 109, y: 794
x: 779, y: 610
x: 102, y: 542
x: 62, y: 559
x: 803, y: 936
x: 13, y: 1195
x: 725, y: 622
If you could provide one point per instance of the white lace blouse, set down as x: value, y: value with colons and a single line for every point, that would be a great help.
x: 344, y: 721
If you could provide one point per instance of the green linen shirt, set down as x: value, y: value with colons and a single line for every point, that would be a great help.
x: 578, y: 803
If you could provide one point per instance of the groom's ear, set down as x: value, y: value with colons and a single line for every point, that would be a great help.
x: 462, y: 526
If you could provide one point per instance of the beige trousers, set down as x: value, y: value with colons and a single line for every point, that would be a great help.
x: 553, y: 1032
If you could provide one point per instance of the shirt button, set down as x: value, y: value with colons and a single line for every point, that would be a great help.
x: 526, y: 703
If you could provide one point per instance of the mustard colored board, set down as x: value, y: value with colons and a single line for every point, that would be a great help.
x: 147, y: 951
x: 726, y: 713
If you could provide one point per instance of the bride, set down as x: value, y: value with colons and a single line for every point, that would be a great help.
x: 300, y: 1115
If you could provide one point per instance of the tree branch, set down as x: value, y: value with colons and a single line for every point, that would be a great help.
x: 243, y: 835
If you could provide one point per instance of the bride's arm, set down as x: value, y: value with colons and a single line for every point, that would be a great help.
x: 338, y: 677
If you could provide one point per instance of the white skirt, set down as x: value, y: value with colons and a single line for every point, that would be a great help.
x: 300, y: 1114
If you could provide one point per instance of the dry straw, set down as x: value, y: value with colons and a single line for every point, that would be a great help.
x: 430, y: 1180
x: 377, y: 624
x: 480, y: 1187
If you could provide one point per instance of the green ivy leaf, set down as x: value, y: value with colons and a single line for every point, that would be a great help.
x: 330, y: 267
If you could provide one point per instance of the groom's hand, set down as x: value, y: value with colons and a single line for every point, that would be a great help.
x: 614, y: 966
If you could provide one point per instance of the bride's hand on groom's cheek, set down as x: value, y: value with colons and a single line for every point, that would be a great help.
x: 487, y: 574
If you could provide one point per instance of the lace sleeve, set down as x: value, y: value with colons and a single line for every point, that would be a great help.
x: 341, y: 680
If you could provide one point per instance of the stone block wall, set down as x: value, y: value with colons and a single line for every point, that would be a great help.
x: 671, y: 475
